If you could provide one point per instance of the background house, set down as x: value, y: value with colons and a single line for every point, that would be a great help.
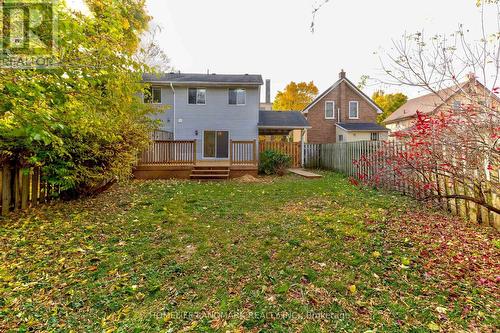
x: 443, y: 100
x: 343, y: 113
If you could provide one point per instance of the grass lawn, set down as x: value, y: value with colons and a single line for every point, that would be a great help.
x: 285, y: 255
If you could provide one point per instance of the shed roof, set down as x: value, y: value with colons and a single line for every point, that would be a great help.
x: 362, y: 127
x: 282, y: 119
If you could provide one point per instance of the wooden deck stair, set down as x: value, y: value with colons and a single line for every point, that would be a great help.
x: 210, y: 172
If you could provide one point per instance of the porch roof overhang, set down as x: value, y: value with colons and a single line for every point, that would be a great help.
x: 281, y: 122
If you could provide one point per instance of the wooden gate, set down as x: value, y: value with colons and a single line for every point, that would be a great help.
x: 292, y: 149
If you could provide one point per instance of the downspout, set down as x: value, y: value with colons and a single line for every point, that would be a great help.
x: 173, y: 90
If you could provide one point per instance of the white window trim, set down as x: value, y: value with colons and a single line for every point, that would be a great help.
x: 332, y: 102
x: 229, y: 89
x: 152, y: 99
x: 197, y: 96
x: 357, y: 110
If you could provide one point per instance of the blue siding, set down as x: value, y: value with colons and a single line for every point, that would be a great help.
x: 216, y: 114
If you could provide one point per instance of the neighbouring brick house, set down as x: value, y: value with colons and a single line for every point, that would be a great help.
x: 343, y: 113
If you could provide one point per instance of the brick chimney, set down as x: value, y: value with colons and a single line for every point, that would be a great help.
x: 268, y: 91
x: 342, y: 74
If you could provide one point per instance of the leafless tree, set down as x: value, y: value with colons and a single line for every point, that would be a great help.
x: 151, y: 53
x: 462, y: 139
x: 316, y: 8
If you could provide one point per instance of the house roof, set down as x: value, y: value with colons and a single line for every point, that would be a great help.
x: 192, y: 78
x: 282, y: 119
x: 352, y: 86
x: 424, y: 104
x: 362, y: 127
x: 431, y: 102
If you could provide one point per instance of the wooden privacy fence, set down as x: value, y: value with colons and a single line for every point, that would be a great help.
x: 243, y: 153
x: 292, y: 149
x: 341, y: 157
x: 166, y: 152
x: 21, y: 188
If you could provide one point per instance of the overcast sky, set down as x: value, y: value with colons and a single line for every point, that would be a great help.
x: 272, y: 37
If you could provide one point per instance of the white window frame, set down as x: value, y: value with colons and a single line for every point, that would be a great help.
x: 197, y: 96
x: 377, y: 134
x: 152, y: 96
x: 341, y: 138
x: 228, y: 96
x: 333, y: 109
x: 357, y: 110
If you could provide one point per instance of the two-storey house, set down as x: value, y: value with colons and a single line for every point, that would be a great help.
x: 343, y: 113
x: 219, y: 113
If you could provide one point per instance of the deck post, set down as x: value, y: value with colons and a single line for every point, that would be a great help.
x: 302, y: 154
x: 230, y: 152
x: 194, y: 152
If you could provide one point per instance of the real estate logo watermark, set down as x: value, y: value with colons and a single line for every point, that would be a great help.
x: 28, y: 33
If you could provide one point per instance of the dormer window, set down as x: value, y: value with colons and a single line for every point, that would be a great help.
x: 237, y: 96
x: 197, y: 96
x: 152, y: 95
x: 353, y: 110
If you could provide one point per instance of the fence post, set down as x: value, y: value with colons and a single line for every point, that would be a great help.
x: 25, y: 187
x: 254, y: 152
x: 6, y: 189
x: 34, y: 187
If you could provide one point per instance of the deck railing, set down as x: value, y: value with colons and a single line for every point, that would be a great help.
x: 166, y: 152
x: 243, y: 153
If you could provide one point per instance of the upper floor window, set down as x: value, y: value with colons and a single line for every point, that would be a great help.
x: 197, y: 96
x: 237, y: 96
x: 329, y: 110
x: 152, y: 95
x: 374, y: 136
x: 353, y: 110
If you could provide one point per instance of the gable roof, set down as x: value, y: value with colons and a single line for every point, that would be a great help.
x: 352, y: 86
x: 424, y: 104
x: 193, y: 78
x: 282, y: 119
x: 429, y: 103
x: 362, y: 127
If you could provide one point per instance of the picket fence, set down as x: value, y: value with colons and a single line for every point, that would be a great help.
x: 341, y: 157
x: 21, y: 188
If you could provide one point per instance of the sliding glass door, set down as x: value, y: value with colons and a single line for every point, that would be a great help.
x: 216, y: 144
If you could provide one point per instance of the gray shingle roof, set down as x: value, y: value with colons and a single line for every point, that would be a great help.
x: 363, y: 127
x: 283, y: 119
x: 250, y: 79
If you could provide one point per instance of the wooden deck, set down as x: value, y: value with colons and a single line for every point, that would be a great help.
x: 304, y: 173
x: 170, y: 171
